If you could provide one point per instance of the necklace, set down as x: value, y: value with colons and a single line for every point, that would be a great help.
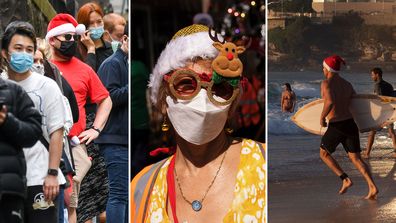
x: 197, y: 204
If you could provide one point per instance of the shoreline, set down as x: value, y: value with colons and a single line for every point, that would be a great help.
x: 350, y: 67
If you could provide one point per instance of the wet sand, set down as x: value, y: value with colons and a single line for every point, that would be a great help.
x: 303, y: 189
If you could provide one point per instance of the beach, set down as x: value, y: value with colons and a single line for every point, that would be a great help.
x: 301, y: 188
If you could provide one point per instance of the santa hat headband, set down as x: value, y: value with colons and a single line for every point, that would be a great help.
x: 333, y: 63
x: 188, y: 43
x: 63, y: 23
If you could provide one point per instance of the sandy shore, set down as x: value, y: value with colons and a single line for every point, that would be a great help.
x: 302, y: 189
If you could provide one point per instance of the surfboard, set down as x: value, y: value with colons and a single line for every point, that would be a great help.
x: 370, y: 112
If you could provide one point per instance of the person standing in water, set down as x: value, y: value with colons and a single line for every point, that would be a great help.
x: 337, y: 94
x: 289, y: 99
x: 384, y: 88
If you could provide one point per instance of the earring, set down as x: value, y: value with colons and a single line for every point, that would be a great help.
x: 229, y: 130
x: 164, y: 126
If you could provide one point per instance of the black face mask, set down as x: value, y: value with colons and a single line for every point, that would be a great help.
x: 67, y: 48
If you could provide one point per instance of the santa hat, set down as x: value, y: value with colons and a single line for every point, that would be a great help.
x: 333, y: 63
x: 63, y: 23
x: 188, y: 43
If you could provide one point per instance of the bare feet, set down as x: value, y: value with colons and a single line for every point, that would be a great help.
x: 346, y: 183
x: 372, y: 194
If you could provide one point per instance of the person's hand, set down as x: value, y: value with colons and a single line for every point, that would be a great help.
x: 88, y: 136
x: 88, y: 42
x: 3, y: 114
x: 323, y: 122
x: 50, y: 187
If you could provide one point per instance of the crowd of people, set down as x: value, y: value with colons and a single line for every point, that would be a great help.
x: 64, y: 119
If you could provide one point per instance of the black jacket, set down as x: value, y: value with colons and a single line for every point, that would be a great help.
x: 21, y: 128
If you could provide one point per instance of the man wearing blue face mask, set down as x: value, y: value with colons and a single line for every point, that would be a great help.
x: 114, y: 25
x: 113, y: 142
x: 43, y: 175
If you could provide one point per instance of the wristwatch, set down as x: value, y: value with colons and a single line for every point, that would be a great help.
x: 52, y: 172
x: 96, y: 129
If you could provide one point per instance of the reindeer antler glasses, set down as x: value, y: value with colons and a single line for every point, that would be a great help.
x: 185, y: 84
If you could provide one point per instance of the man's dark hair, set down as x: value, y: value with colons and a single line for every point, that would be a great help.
x: 18, y: 28
x: 377, y: 70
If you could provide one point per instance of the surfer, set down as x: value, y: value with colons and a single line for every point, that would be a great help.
x: 288, y: 100
x: 337, y: 94
x: 384, y: 88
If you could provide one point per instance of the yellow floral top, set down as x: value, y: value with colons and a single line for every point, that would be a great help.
x: 248, y: 205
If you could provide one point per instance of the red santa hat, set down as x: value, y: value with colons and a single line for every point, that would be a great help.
x: 333, y: 63
x: 63, y: 23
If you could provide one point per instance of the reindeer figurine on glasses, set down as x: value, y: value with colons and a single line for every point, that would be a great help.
x: 226, y: 66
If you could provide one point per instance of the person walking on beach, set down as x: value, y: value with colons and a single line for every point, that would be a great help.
x: 384, y: 88
x: 337, y: 94
x: 289, y: 99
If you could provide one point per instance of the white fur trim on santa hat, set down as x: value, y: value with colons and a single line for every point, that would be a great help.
x: 65, y: 28
x: 175, y: 55
x: 329, y: 68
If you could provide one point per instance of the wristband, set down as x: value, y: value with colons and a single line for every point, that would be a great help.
x: 96, y: 129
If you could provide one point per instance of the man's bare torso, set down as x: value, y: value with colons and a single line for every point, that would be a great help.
x: 341, y: 92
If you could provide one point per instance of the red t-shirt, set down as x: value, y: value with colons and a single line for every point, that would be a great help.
x: 85, y: 83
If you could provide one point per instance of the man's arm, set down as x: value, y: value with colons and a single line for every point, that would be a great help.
x: 111, y: 74
x: 102, y: 113
x: 282, y: 101
x: 51, y: 185
x: 328, y: 102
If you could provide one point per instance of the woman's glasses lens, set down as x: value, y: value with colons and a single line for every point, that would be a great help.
x: 222, y: 91
x: 185, y: 84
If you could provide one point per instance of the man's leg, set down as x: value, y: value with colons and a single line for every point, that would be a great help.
x: 393, y: 137
x: 365, y: 171
x: 116, y: 158
x: 39, y: 210
x: 370, y: 142
x: 335, y: 167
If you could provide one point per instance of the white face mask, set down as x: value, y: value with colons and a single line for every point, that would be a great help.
x: 197, y: 121
x: 38, y: 68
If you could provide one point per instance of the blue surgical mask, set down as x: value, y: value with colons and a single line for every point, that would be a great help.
x: 115, y: 45
x: 96, y: 32
x: 21, y: 62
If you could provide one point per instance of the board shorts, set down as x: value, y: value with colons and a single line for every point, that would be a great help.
x: 345, y: 132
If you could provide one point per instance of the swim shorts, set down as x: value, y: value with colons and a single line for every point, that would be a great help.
x: 345, y: 132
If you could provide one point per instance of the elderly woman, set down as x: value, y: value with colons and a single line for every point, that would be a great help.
x: 211, y: 177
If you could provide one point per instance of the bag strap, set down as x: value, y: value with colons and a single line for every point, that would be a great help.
x: 44, y: 142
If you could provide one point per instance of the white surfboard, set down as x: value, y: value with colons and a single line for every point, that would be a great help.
x: 370, y: 112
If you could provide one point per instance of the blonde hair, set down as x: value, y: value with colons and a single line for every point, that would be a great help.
x: 44, y: 48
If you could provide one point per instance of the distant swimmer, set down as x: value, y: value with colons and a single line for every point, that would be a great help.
x: 384, y: 88
x: 337, y: 93
x: 288, y: 99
